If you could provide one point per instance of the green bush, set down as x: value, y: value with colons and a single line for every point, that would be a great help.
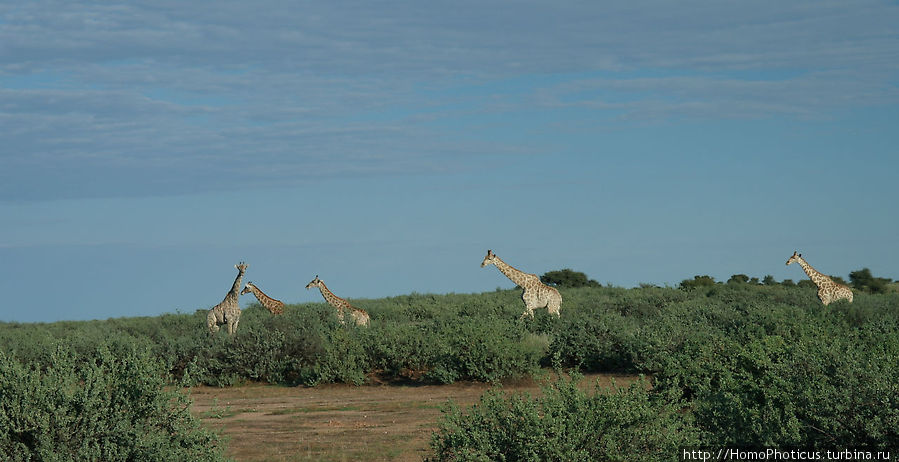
x: 738, y: 279
x: 100, y: 407
x: 820, y: 392
x: 400, y: 350
x: 597, y: 342
x: 864, y: 281
x: 697, y: 282
x: 302, y: 346
x: 567, y: 278
x: 485, y: 350
x: 566, y: 423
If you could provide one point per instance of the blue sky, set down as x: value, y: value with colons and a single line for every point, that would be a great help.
x: 147, y: 147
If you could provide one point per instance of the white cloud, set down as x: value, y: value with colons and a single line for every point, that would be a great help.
x: 186, y: 96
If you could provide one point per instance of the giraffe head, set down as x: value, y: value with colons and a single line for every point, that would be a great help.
x: 796, y: 256
x: 246, y: 288
x: 490, y: 259
x: 242, y: 267
x: 314, y: 283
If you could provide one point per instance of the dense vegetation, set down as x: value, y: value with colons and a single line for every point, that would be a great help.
x: 102, y: 407
x: 744, y: 365
x: 567, y: 423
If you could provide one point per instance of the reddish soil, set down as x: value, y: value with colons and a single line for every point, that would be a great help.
x: 339, y: 422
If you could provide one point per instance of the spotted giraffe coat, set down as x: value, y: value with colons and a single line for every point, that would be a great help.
x: 536, y: 294
x: 828, y: 290
x: 228, y: 311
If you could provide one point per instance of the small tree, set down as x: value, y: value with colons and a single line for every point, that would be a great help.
x: 769, y: 280
x: 788, y: 283
x: 697, y: 282
x: 865, y: 281
x: 738, y: 279
x: 568, y: 278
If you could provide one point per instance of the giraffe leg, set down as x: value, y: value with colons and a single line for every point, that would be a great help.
x: 553, y: 301
x: 554, y: 307
x: 212, y: 322
x: 530, y: 302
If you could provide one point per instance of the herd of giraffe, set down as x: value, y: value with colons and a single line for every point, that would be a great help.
x: 536, y: 294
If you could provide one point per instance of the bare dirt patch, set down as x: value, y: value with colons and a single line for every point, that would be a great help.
x: 340, y: 422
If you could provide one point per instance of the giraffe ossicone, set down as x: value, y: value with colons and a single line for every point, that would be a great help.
x: 272, y: 305
x: 359, y: 316
x: 828, y: 290
x: 536, y: 294
x: 228, y: 311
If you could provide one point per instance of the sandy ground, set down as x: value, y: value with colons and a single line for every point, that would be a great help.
x: 339, y: 422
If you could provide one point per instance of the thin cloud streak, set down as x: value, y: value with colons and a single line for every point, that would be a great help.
x: 127, y: 99
x: 412, y: 39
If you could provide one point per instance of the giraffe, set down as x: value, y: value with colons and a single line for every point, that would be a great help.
x: 828, y: 290
x: 228, y: 311
x: 274, y: 306
x: 536, y: 294
x: 360, y: 317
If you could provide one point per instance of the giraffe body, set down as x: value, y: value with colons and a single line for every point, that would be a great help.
x: 272, y: 305
x: 828, y: 290
x: 359, y: 317
x: 228, y: 311
x: 536, y: 294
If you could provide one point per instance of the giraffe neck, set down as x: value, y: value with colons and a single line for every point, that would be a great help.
x: 234, y: 293
x: 264, y: 299
x: 517, y: 276
x: 812, y: 273
x: 329, y: 296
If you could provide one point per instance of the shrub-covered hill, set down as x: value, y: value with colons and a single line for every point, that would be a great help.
x: 756, y: 365
x: 443, y: 338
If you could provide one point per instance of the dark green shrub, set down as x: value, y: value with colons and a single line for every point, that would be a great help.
x: 819, y: 392
x: 697, y: 282
x: 100, y: 407
x: 400, y: 351
x: 484, y: 350
x: 864, y: 281
x: 845, y: 388
x: 593, y: 343
x: 566, y: 423
x: 567, y: 278
x: 738, y: 279
x: 344, y: 359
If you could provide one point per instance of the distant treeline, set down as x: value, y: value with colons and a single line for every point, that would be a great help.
x: 861, y: 280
